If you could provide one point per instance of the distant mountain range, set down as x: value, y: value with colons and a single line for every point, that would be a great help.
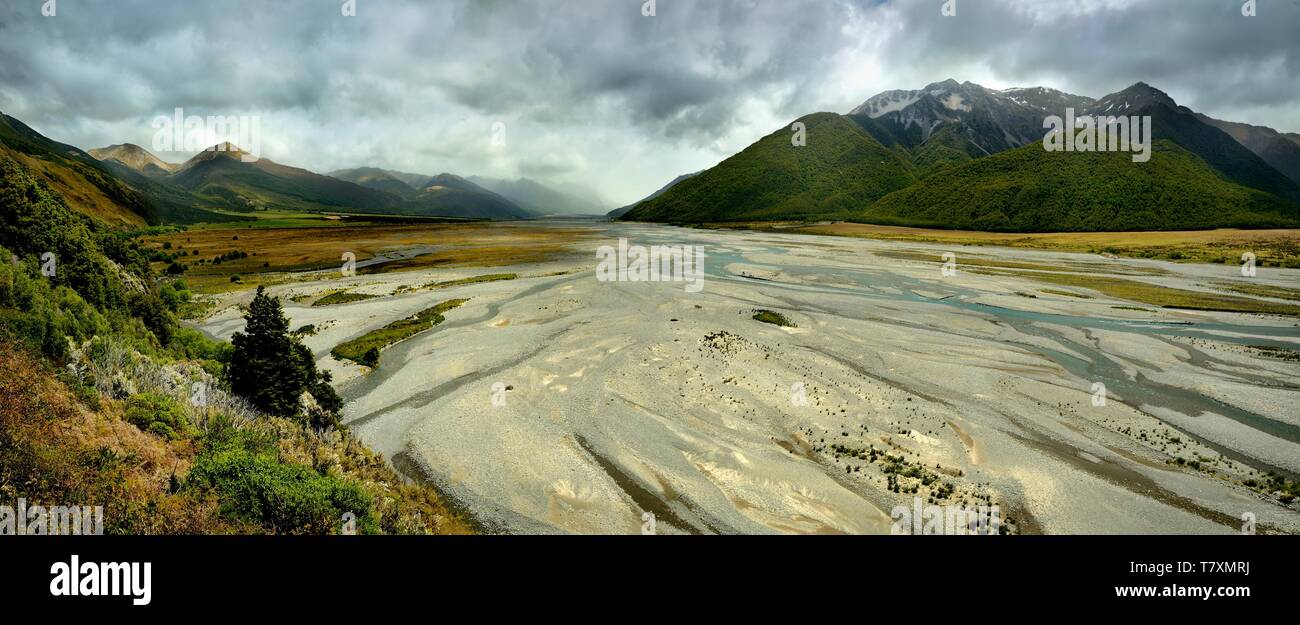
x: 959, y: 155
x: 541, y: 199
x: 126, y: 186
x: 444, y: 195
x: 952, y: 155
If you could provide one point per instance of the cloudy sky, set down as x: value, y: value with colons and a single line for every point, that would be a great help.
x: 592, y: 93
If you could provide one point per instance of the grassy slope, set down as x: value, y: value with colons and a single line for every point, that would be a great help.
x: 75, y: 175
x: 62, y: 443
x: 1031, y: 190
x: 841, y: 169
x: 111, y: 193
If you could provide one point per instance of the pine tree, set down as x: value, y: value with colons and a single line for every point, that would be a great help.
x: 271, y: 368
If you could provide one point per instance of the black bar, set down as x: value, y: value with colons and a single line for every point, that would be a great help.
x: 317, y: 573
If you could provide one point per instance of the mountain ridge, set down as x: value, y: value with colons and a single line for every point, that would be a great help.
x: 948, y: 128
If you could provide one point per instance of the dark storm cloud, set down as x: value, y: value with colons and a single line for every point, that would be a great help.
x: 1205, y: 53
x: 592, y: 91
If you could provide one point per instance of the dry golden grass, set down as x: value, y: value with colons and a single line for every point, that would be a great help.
x: 975, y: 261
x: 1156, y: 295
x: 78, y: 192
x: 57, y: 450
x: 280, y: 250
x: 1271, y: 247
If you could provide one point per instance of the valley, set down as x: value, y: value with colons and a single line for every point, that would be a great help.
x: 553, y: 402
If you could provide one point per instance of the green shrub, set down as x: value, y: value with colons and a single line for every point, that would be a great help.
x: 283, y: 498
x: 158, y: 414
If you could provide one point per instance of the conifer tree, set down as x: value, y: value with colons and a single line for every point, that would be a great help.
x: 271, y: 368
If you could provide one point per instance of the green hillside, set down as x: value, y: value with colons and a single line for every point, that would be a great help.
x: 265, y: 184
x: 75, y: 175
x: 945, y: 148
x: 840, y: 170
x: 1031, y: 190
x: 1223, y: 153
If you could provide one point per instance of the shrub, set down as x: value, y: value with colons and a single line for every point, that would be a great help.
x: 283, y: 498
x: 159, y: 414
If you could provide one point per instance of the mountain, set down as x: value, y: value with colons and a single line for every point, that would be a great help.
x: 1282, y: 151
x: 135, y: 158
x: 990, y: 140
x: 541, y: 199
x: 444, y: 195
x: 1031, y: 190
x: 840, y: 169
x: 453, y: 196
x: 619, y: 212
x: 258, y: 184
x: 976, y: 120
x: 381, y: 180
x: 1229, y: 156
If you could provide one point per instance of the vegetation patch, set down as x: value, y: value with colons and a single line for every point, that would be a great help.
x: 1162, y: 296
x: 342, y: 297
x: 772, y: 317
x: 1280, y: 353
x: 1260, y: 290
x: 366, y: 348
x: 492, y: 277
x: 1065, y: 293
x: 158, y: 414
x: 1273, y: 248
x: 971, y: 261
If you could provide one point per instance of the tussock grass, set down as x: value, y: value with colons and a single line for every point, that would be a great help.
x: 275, y: 254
